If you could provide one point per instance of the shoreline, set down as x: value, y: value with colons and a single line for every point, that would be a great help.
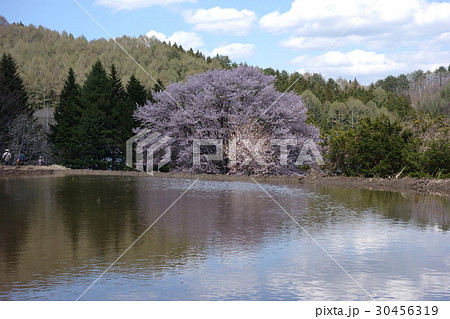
x: 439, y: 187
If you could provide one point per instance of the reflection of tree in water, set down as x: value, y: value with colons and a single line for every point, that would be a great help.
x: 98, y: 210
x: 421, y: 209
x: 67, y: 230
x: 22, y: 200
x: 76, y: 224
x: 13, y: 222
x: 431, y: 211
x: 219, y: 214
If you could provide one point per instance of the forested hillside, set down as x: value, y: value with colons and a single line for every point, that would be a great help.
x: 345, y: 102
x: 45, y: 56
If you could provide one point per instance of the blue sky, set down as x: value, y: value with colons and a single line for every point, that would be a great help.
x: 386, y: 37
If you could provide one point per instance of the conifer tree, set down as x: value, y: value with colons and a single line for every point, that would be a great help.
x: 136, y: 96
x: 136, y: 92
x: 13, y: 97
x: 67, y: 117
x: 12, y: 82
x: 93, y: 133
x: 91, y: 139
x: 116, y: 120
x: 96, y: 90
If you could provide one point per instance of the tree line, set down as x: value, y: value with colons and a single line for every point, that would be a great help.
x: 396, y: 126
x: 95, y: 119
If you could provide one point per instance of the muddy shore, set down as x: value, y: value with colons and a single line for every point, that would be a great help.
x: 422, y: 185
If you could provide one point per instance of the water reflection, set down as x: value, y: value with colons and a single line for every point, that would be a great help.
x: 421, y: 210
x: 221, y: 241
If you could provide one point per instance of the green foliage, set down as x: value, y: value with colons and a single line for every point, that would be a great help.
x: 96, y: 90
x: 45, y: 56
x: 398, y: 103
x: 337, y: 114
x: 67, y: 116
x: 136, y: 95
x: 12, y: 82
x: 102, y: 131
x: 436, y: 158
x: 94, y: 122
x: 392, y: 84
x: 305, y: 167
x: 440, y: 102
x: 15, y: 116
x: 90, y: 136
x: 117, y: 120
x: 376, y: 147
x: 315, y: 109
x: 13, y: 96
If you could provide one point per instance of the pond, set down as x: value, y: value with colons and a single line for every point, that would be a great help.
x: 220, y: 240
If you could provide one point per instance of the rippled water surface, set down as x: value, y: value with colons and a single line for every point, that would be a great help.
x: 220, y: 241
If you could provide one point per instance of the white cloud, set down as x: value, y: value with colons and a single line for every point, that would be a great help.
x: 235, y: 50
x: 311, y: 43
x: 221, y: 20
x: 186, y: 39
x: 118, y: 5
x: 368, y: 66
x: 356, y: 63
x: 308, y: 14
x: 158, y: 35
x: 387, y: 19
x: 371, y: 42
x: 444, y: 37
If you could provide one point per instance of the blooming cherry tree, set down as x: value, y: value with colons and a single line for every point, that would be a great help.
x: 241, y: 108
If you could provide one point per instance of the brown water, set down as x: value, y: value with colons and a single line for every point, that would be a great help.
x: 220, y: 241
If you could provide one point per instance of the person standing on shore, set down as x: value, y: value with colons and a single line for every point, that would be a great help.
x: 41, y: 161
x: 7, y: 157
x: 20, y: 159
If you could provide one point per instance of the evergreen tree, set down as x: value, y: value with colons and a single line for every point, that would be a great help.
x: 136, y: 96
x: 116, y: 121
x: 93, y: 133
x: 12, y: 82
x: 67, y: 117
x: 136, y: 92
x: 96, y: 90
x: 331, y: 91
x: 91, y: 139
x: 13, y: 99
x: 399, y: 103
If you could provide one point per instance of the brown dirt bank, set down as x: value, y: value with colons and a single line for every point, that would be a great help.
x: 420, y: 185
x: 423, y: 185
x: 30, y: 170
